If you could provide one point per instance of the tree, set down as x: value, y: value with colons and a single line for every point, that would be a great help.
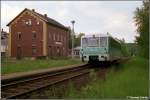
x: 141, y: 19
x: 77, y: 39
x: 124, y: 47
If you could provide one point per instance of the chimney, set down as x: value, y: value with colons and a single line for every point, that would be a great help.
x: 33, y: 10
x: 45, y: 15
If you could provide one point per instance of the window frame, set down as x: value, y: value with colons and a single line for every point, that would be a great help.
x: 19, y: 36
x: 54, y: 36
x: 104, y: 43
x: 34, y: 35
x: 29, y: 22
x: 34, y: 50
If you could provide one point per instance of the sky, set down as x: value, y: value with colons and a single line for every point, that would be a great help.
x: 91, y: 17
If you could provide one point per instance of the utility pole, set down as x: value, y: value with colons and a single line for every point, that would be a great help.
x: 72, y: 33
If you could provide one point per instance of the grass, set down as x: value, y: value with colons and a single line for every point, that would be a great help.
x: 24, y: 65
x: 131, y: 80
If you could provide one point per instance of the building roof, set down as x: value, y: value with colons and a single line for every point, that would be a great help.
x: 45, y: 18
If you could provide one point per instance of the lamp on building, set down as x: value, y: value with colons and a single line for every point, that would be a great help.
x: 72, y: 33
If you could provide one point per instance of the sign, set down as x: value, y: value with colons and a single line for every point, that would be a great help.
x: 60, y: 43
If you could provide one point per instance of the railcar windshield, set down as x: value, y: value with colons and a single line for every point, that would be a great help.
x: 103, y: 41
x: 90, y: 42
x: 93, y: 41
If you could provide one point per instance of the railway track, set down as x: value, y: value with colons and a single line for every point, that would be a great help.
x: 21, y: 87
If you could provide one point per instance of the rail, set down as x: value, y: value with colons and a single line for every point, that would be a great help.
x: 20, y: 87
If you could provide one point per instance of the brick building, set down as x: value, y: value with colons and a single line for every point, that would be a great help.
x: 36, y: 35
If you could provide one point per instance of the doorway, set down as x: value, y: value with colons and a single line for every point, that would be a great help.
x: 19, y: 52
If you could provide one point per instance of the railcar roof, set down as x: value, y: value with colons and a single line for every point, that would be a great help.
x: 97, y: 35
x: 101, y: 35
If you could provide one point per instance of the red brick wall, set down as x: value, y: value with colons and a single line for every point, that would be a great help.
x: 61, y: 36
x: 26, y: 41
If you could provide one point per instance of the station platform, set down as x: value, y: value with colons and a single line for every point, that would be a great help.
x: 14, y: 76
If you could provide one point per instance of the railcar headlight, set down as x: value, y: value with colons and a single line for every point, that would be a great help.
x: 81, y: 51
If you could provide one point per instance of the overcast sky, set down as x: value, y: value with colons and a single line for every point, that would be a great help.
x: 115, y: 17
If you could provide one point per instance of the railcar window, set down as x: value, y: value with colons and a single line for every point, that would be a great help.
x: 84, y: 42
x: 103, y: 41
x: 93, y: 41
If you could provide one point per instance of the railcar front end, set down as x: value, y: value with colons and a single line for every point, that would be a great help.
x: 94, y: 48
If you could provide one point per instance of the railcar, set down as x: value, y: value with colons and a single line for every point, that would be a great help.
x: 100, y: 47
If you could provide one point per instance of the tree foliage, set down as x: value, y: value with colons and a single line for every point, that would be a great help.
x: 78, y: 39
x: 124, y: 48
x: 141, y: 19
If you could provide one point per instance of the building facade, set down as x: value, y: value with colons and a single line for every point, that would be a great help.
x: 36, y: 35
x: 4, y: 43
x: 76, y: 51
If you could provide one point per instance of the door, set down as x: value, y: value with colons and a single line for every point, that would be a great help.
x: 19, y: 53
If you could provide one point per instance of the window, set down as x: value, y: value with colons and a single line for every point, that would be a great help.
x: 38, y: 23
x: 34, y: 35
x: 49, y: 35
x: 24, y: 22
x: 61, y: 38
x: 19, y: 35
x: 54, y: 36
x: 58, y: 38
x: 90, y: 41
x: 34, y: 50
x: 64, y: 39
x: 103, y: 41
x: 93, y: 41
x: 30, y: 22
